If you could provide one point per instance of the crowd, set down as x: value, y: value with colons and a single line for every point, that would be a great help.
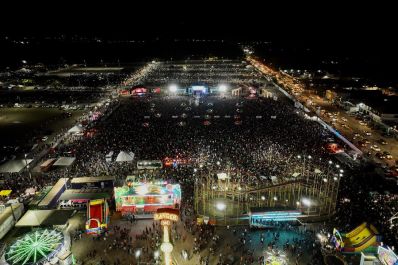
x: 257, y: 138
x: 212, y: 73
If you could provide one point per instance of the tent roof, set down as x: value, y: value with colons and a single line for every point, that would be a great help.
x: 76, y: 129
x: 14, y: 166
x: 44, y: 217
x: 77, y: 194
x: 64, y: 161
x: 5, y: 192
x: 8, y: 212
x: 125, y: 157
x: 92, y: 179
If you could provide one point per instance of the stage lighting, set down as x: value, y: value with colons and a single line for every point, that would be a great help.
x: 222, y: 88
x: 173, y: 88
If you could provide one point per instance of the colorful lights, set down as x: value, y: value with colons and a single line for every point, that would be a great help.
x: 34, y: 247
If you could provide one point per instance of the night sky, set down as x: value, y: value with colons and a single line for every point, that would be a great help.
x: 366, y: 31
x: 326, y: 22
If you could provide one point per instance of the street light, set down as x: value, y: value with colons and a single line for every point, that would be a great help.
x: 221, y: 206
x: 156, y: 255
x: 307, y: 203
x: 137, y: 255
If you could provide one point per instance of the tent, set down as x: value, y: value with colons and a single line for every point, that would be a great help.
x: 14, y: 166
x: 5, y: 193
x: 125, y: 157
x: 76, y: 129
x: 64, y: 161
x: 44, y: 217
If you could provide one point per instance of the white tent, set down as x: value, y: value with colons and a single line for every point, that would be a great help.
x: 76, y: 129
x: 125, y: 157
x: 295, y: 174
x: 14, y: 166
x: 64, y: 161
x: 34, y: 218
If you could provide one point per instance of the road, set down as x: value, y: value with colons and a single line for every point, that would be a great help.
x: 347, y: 125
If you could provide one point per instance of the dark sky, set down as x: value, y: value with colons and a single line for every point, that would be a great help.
x: 359, y: 27
x: 265, y: 20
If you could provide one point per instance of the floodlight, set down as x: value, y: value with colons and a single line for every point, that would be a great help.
x: 173, y: 88
x: 222, y: 88
x: 221, y: 206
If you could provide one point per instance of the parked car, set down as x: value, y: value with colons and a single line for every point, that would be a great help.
x: 387, y: 155
x: 382, y: 141
x: 375, y: 148
x: 380, y: 155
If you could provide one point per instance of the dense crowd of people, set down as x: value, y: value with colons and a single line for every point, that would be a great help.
x: 258, y: 138
x: 212, y: 73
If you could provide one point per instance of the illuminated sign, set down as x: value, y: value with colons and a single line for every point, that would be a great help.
x: 166, y: 216
x: 199, y: 88
x: 165, y: 222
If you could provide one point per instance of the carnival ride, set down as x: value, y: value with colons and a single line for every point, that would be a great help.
x: 146, y: 197
x: 35, y: 247
x: 97, y: 216
x: 364, y: 238
x: 231, y: 200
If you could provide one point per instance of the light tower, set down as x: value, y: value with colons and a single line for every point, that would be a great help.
x: 166, y: 216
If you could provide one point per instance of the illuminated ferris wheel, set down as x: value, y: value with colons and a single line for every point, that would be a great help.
x: 34, y: 247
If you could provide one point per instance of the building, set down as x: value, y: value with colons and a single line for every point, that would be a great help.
x: 377, y: 105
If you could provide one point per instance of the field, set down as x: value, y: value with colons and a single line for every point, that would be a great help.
x: 19, y: 125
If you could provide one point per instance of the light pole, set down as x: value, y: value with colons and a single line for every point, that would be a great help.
x: 137, y: 255
x: 166, y: 217
x: 307, y: 203
x: 221, y: 206
x: 156, y: 255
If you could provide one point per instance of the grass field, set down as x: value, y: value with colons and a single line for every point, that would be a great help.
x: 19, y: 125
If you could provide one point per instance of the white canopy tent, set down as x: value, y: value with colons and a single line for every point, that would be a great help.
x: 125, y: 156
x: 44, y: 218
x: 34, y: 218
x: 76, y: 129
x: 64, y: 161
x: 14, y: 166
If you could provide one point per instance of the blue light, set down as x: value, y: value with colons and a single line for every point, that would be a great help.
x: 277, y: 216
